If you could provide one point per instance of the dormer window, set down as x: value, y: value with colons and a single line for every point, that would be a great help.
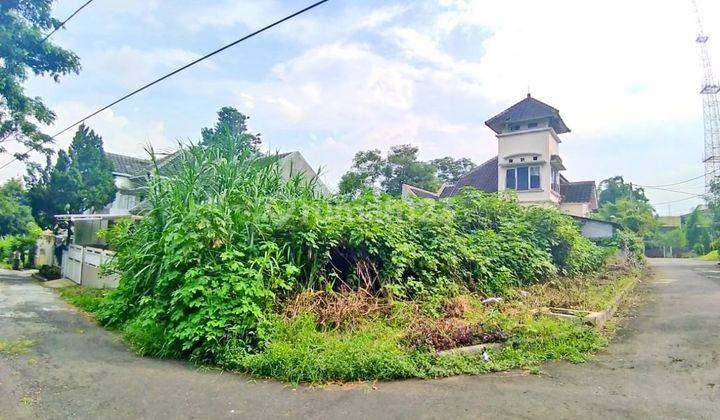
x: 515, y: 127
x: 532, y: 125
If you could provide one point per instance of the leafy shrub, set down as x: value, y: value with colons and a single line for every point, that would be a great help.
x: 50, y: 272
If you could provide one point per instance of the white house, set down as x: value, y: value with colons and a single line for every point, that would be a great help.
x: 528, y: 162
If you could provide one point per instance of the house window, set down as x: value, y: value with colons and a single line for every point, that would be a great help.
x: 523, y: 178
x: 515, y: 127
x: 534, y: 177
x: 532, y: 125
x: 510, y: 179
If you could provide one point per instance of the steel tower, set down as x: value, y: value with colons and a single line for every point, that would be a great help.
x: 711, y: 110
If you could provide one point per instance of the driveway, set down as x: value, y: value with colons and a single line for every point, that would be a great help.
x: 665, y: 363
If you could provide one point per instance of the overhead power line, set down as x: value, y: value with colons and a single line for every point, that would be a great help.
x: 674, y: 191
x: 676, y: 183
x: 190, y: 64
x: 178, y: 70
x: 674, y: 201
x: 66, y: 20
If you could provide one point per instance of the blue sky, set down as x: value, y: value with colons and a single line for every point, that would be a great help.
x: 353, y: 75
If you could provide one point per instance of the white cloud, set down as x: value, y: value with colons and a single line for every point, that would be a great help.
x: 134, y: 66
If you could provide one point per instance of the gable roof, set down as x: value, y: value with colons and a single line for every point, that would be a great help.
x: 525, y: 110
x: 418, y: 192
x: 484, y: 177
x: 577, y: 192
x: 127, y: 165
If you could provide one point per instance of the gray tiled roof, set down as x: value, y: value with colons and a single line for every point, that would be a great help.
x: 419, y: 192
x: 484, y: 177
x: 525, y: 110
x: 577, y: 192
x: 127, y: 164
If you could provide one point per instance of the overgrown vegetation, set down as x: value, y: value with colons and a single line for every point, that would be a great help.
x: 237, y: 266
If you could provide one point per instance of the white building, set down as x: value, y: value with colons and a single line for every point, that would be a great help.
x: 528, y: 162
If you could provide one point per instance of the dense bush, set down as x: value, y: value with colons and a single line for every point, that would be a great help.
x: 227, y: 238
x: 49, y: 272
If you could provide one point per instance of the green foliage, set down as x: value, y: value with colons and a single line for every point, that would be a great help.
x: 23, y: 51
x: 634, y: 215
x: 400, y: 167
x: 614, y: 189
x: 49, y: 272
x: 450, y: 170
x: 80, y: 180
x: 231, y: 123
x: 227, y: 238
x: 15, y: 217
x: 697, y: 231
x: 85, y: 298
x: 301, y: 351
x: 94, y: 169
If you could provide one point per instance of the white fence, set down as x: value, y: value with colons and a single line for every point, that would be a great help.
x: 81, y: 264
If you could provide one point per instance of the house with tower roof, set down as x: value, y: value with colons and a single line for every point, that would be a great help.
x: 528, y: 162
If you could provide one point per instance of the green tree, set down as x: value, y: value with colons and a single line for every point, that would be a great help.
x: 231, y: 122
x: 371, y: 171
x: 54, y: 190
x: 450, y: 170
x: 15, y: 218
x: 697, y: 231
x: 22, y: 52
x: 632, y: 214
x: 80, y: 180
x: 615, y: 188
x: 95, y: 170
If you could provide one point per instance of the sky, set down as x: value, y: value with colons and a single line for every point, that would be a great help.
x: 354, y: 75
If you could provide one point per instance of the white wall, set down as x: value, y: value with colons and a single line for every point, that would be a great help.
x: 575, y: 209
x: 542, y: 142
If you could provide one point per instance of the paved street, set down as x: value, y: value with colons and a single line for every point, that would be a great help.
x: 665, y: 363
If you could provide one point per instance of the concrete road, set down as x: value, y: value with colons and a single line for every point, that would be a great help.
x: 664, y: 364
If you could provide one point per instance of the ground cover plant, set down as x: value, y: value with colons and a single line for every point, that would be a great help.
x: 236, y: 265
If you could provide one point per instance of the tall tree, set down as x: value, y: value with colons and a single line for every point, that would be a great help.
x: 615, y: 188
x: 80, y: 180
x: 630, y: 213
x: 450, y: 170
x: 15, y: 217
x: 697, y: 231
x: 95, y: 170
x: 53, y: 190
x: 231, y: 122
x: 371, y: 171
x: 23, y: 51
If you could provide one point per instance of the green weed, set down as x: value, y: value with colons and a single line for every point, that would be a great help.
x: 16, y: 347
x: 85, y: 298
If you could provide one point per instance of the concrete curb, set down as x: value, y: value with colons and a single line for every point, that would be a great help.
x: 596, y: 319
x: 470, y: 349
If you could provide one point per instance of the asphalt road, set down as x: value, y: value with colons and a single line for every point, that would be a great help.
x: 665, y: 363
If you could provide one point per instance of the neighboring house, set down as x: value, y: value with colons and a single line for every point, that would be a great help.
x: 528, y: 162
x: 131, y: 172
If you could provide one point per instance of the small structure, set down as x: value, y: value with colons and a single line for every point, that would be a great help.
x: 529, y: 163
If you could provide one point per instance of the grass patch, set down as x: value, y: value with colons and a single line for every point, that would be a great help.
x: 710, y: 256
x: 301, y: 350
x: 590, y: 293
x: 16, y: 347
x: 85, y: 298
